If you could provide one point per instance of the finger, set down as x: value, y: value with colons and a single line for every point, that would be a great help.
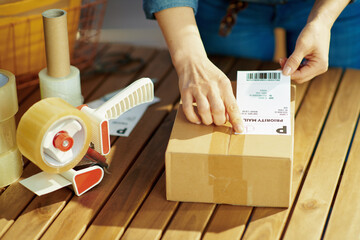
x: 217, y: 108
x: 282, y: 62
x: 233, y: 111
x: 204, y: 109
x: 188, y: 108
x: 293, y: 62
x: 307, y: 72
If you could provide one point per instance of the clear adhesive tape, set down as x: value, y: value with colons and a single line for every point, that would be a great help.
x: 7, y: 135
x: 34, y: 126
x: 8, y: 96
x: 10, y: 158
x: 67, y: 88
x: 11, y: 167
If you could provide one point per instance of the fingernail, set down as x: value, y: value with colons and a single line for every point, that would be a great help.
x: 239, y: 128
x: 198, y: 123
x: 287, y: 71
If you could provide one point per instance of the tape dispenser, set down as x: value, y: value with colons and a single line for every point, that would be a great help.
x: 55, y: 136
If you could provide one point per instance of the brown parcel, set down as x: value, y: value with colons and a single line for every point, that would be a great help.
x: 211, y: 164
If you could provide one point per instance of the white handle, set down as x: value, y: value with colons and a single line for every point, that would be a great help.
x: 140, y: 91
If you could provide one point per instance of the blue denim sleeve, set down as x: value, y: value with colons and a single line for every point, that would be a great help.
x: 152, y: 6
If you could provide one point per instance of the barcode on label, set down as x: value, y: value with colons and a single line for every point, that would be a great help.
x: 263, y: 76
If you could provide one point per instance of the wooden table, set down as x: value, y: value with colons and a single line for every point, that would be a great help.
x: 130, y: 202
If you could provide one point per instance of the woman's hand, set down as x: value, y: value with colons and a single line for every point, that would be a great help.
x: 202, y: 82
x: 311, y: 54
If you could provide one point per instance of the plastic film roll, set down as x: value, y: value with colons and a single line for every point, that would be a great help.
x: 35, y: 129
x: 59, y: 79
x: 67, y: 88
x: 10, y: 159
x: 11, y: 167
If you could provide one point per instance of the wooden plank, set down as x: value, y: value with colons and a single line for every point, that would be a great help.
x: 38, y: 216
x: 228, y: 223
x: 345, y: 217
x: 320, y: 183
x: 223, y: 63
x: 125, y: 151
x: 269, y: 222
x: 153, y: 216
x: 14, y: 200
x: 243, y: 64
x: 122, y: 78
x: 91, y: 81
x: 22, y: 94
x: 300, y: 94
x: 62, y: 195
x: 190, y: 221
x: 112, y: 220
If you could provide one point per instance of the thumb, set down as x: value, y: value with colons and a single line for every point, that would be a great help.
x: 293, y: 62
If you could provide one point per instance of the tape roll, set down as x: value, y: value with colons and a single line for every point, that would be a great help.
x: 67, y: 88
x: 11, y: 167
x: 10, y: 158
x: 35, y: 125
x: 7, y: 135
x: 8, y: 96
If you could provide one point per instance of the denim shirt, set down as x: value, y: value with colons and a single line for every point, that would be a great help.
x: 153, y: 6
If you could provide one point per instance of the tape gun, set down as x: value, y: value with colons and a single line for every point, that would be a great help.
x: 55, y: 136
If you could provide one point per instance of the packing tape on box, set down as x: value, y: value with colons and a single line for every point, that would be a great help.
x: 40, y: 121
x: 10, y: 159
x: 227, y: 182
x: 67, y: 88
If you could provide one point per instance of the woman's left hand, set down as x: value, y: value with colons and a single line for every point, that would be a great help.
x: 311, y: 55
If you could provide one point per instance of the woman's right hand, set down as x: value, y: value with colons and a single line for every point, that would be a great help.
x: 202, y: 82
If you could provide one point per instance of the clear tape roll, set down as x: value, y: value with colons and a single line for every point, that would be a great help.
x: 67, y: 88
x: 33, y: 129
x: 7, y: 135
x: 8, y: 95
x: 11, y: 163
x: 11, y: 166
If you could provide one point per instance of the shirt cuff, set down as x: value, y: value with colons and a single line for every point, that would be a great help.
x: 152, y: 6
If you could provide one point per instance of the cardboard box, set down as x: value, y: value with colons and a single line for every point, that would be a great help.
x: 211, y: 164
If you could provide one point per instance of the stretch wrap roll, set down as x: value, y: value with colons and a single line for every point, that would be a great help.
x: 11, y: 164
x: 35, y: 128
x: 67, y: 88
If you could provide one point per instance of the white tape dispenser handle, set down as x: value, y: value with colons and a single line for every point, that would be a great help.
x: 140, y: 91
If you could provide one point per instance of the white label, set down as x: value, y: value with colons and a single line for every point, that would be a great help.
x: 264, y: 101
